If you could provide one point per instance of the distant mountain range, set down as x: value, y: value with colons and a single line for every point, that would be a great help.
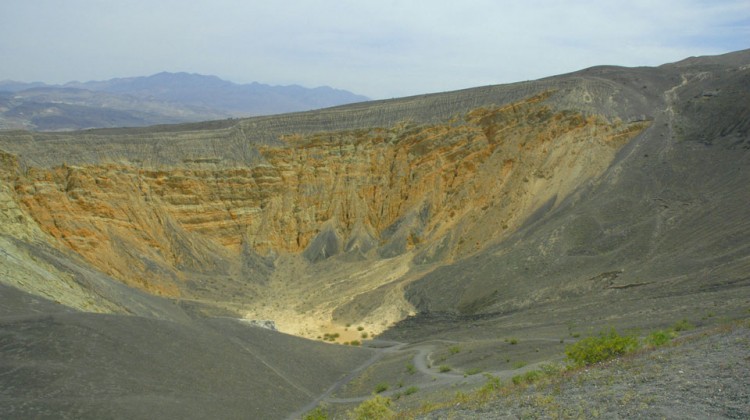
x: 162, y: 98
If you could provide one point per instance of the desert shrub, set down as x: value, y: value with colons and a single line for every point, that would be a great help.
x: 489, y: 388
x: 355, y: 343
x: 473, y: 371
x: 381, y: 387
x: 360, y: 328
x: 444, y: 368
x: 411, y: 390
x: 513, y: 341
x: 492, y: 384
x: 454, y: 349
x: 410, y: 369
x: 682, y: 325
x: 374, y: 409
x: 364, y: 335
x: 596, y: 349
x: 551, y: 369
x: 532, y: 376
x: 529, y: 377
x: 661, y: 337
x: 316, y: 414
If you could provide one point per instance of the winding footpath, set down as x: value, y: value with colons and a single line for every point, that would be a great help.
x: 422, y: 363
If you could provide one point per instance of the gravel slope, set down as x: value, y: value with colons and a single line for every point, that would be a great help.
x: 704, y: 375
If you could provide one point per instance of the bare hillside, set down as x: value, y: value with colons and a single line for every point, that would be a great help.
x: 133, y: 261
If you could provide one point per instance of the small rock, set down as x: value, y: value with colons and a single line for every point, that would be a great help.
x: 261, y: 323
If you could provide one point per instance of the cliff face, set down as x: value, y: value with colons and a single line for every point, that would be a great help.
x: 441, y: 190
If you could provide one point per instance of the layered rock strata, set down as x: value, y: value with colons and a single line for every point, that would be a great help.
x: 210, y: 229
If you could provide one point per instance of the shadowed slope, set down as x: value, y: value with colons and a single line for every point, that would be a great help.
x: 663, y: 232
x: 57, y: 361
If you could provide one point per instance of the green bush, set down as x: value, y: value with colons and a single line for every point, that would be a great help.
x: 532, y: 376
x: 410, y: 369
x: 411, y: 390
x: 381, y: 387
x: 454, y: 349
x: 316, y: 414
x: 682, y: 325
x: 492, y: 384
x: 661, y: 337
x: 529, y: 377
x: 489, y: 388
x: 607, y: 345
x: 374, y: 409
x: 550, y: 369
x: 444, y: 368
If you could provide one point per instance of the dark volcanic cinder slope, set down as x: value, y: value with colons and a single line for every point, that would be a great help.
x: 606, y: 197
x: 58, y: 363
x: 661, y: 235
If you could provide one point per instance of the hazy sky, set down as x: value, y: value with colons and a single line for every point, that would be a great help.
x: 380, y: 48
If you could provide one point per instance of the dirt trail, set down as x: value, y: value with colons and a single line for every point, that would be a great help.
x: 387, y: 347
x: 706, y: 374
x: 670, y: 97
x: 279, y: 373
x: 422, y: 362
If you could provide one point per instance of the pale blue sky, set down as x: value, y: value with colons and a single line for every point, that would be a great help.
x: 381, y: 49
